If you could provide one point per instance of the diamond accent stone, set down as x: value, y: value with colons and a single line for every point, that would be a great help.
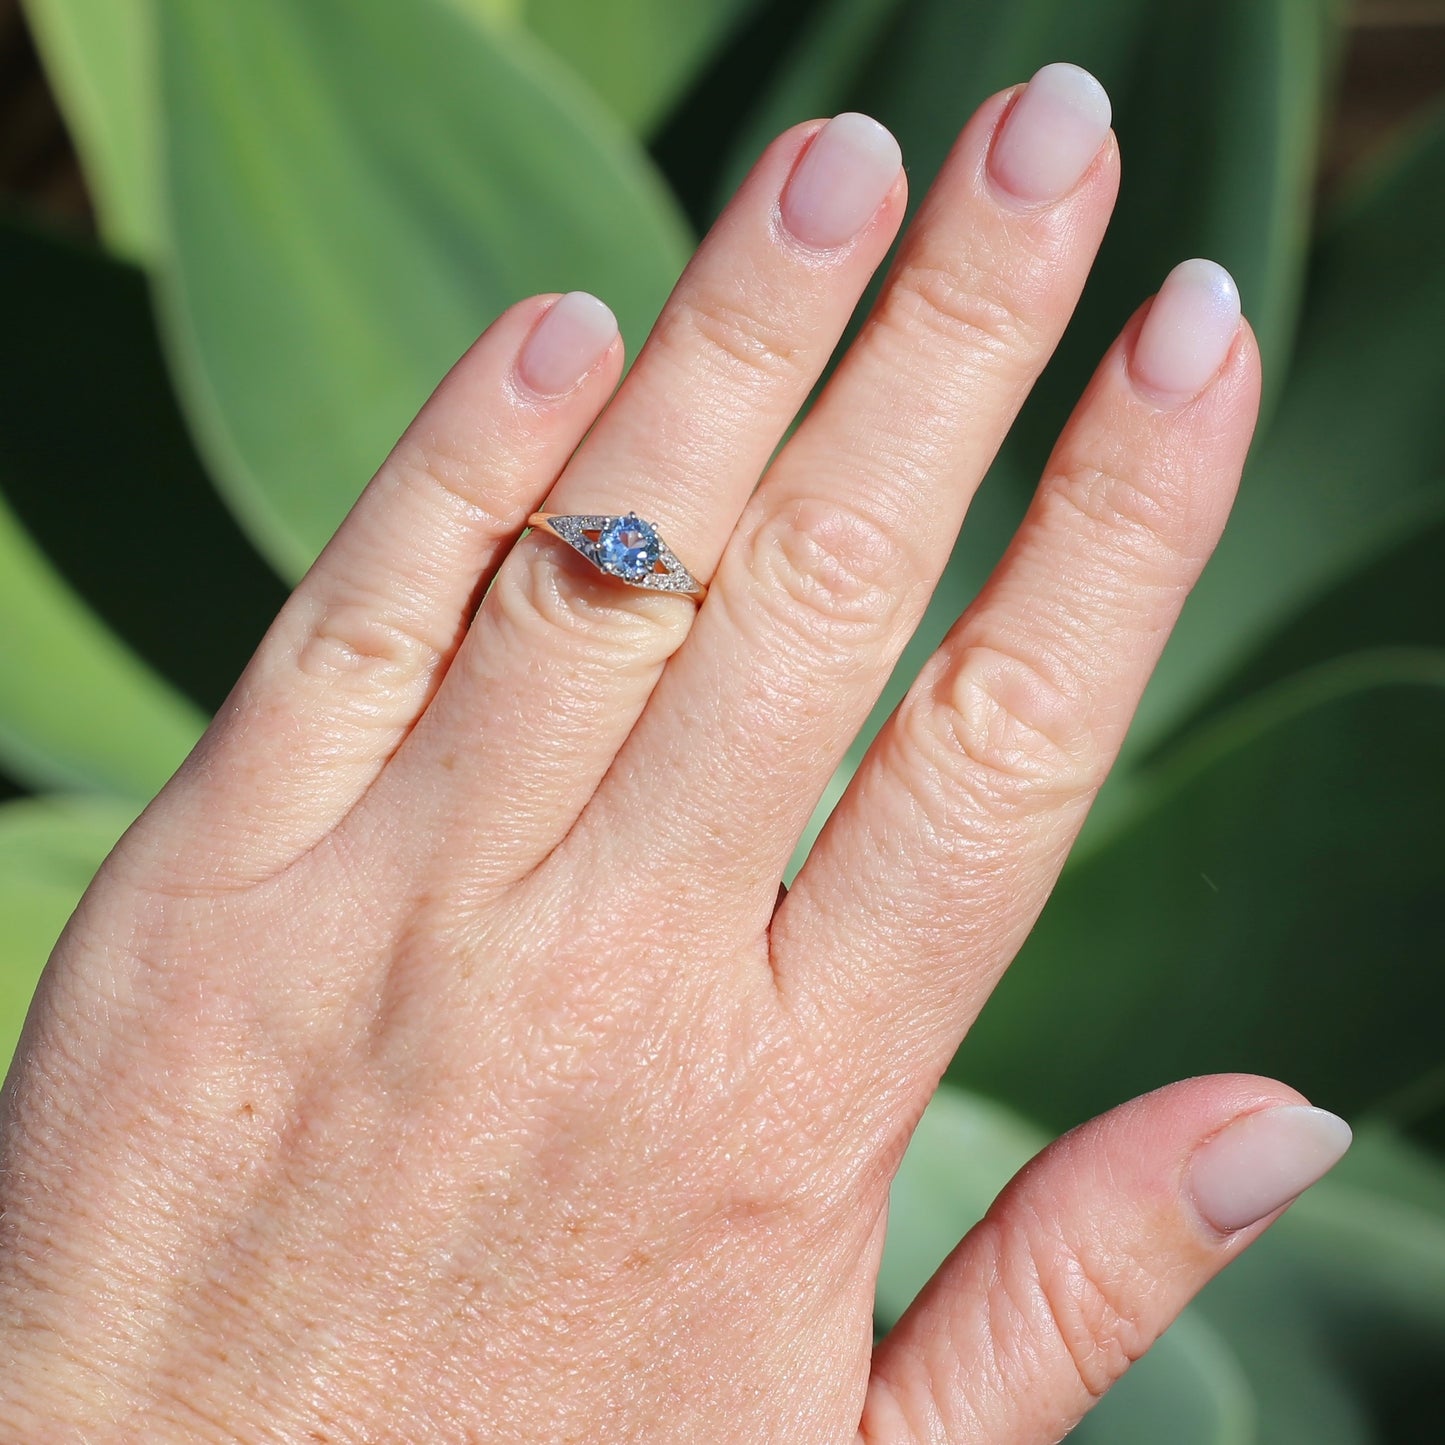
x: 628, y: 548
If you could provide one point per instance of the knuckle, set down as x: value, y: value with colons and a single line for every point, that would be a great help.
x: 1141, y: 520
x: 1081, y: 1304
x: 437, y: 464
x: 959, y: 306
x: 831, y: 573
x: 742, y: 337
x: 1007, y: 732
x: 547, y: 597
x: 362, y: 638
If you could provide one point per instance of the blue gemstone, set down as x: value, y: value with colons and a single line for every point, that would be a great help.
x: 628, y: 547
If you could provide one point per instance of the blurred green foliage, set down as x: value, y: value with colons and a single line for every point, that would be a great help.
x: 310, y: 206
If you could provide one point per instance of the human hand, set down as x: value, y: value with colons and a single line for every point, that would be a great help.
x: 435, y: 1060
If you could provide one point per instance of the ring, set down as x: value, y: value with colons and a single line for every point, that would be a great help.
x: 623, y: 547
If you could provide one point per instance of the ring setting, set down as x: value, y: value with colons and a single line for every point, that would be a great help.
x: 625, y: 547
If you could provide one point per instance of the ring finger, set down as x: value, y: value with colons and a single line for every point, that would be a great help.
x: 560, y: 659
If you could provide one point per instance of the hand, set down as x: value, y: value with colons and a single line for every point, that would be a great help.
x: 435, y: 1059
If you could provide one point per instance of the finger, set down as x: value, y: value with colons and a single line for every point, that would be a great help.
x: 352, y: 658
x: 945, y: 845
x: 561, y: 658
x: 1088, y: 1255
x: 837, y: 553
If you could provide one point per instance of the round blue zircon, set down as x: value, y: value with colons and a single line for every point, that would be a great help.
x: 628, y: 547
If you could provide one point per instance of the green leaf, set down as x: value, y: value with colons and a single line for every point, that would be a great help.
x: 99, y: 470
x: 1187, y: 1390
x: 1190, y: 1389
x: 639, y: 56
x: 964, y: 1150
x: 354, y: 189
x: 99, y: 58
x: 1269, y: 902
x: 493, y: 12
x: 49, y: 849
x: 1356, y: 451
x: 77, y: 708
x: 1396, y: 598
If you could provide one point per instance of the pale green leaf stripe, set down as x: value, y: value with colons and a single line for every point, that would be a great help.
x: 639, y: 56
x: 353, y: 191
x: 492, y: 12
x: 99, y: 57
x: 49, y: 849
x: 964, y: 1150
x: 78, y: 709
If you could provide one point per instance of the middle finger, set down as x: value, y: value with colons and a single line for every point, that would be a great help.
x: 834, y: 560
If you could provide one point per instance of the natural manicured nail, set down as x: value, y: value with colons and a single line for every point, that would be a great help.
x: 1051, y: 136
x: 570, y: 339
x: 1188, y: 331
x: 840, y: 181
x: 1257, y: 1163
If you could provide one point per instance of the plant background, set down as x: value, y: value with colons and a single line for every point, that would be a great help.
x: 295, y: 213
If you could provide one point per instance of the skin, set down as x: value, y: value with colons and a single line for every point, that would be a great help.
x: 436, y: 1060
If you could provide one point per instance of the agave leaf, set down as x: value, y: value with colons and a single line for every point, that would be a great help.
x: 99, y: 469
x: 493, y: 12
x: 354, y: 188
x: 99, y: 57
x: 49, y: 849
x: 1268, y: 902
x: 1396, y: 598
x: 78, y: 709
x: 1191, y: 1388
x: 639, y: 56
x: 1353, y: 459
x: 964, y: 1150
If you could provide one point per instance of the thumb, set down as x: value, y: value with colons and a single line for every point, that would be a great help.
x: 1088, y: 1255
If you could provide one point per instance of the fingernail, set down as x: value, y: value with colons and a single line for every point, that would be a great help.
x: 1257, y: 1163
x: 570, y: 339
x: 1051, y: 136
x: 840, y: 180
x: 1188, y: 331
